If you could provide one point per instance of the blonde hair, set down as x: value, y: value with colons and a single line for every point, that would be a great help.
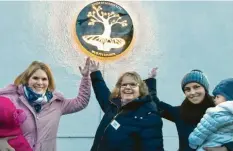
x: 143, y: 89
x: 33, y: 67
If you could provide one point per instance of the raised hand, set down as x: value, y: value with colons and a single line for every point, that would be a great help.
x: 94, y: 66
x: 153, y: 73
x: 85, y: 70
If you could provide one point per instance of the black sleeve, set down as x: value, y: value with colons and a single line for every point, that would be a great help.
x: 166, y: 110
x: 151, y: 84
x: 102, y: 92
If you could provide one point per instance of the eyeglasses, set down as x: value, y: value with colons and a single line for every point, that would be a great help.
x: 132, y: 85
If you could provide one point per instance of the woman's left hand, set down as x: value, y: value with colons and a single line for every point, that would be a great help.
x: 215, y: 148
x: 85, y: 70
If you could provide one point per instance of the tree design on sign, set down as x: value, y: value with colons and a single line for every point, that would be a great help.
x: 104, y: 42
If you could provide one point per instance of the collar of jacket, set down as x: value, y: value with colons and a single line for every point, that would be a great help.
x: 131, y: 105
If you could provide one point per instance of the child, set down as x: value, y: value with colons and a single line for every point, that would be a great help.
x: 216, y: 126
x: 10, y: 120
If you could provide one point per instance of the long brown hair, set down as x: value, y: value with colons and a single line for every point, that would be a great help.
x: 33, y: 67
x: 143, y: 89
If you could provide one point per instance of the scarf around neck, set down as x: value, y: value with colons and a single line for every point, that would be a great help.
x: 37, y: 100
x: 192, y: 113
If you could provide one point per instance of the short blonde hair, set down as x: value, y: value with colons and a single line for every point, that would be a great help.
x: 143, y: 89
x: 33, y: 67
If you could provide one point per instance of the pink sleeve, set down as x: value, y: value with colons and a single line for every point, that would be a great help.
x: 19, y: 116
x: 81, y: 101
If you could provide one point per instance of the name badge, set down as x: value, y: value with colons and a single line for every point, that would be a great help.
x: 115, y: 124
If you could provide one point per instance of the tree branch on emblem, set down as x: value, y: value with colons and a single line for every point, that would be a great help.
x: 94, y: 15
x: 122, y: 23
x: 104, y: 41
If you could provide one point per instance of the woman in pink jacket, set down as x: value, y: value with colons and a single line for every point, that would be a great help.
x: 34, y: 92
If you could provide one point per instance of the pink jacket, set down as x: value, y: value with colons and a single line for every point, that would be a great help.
x: 40, y: 129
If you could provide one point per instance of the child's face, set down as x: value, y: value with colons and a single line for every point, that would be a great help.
x: 219, y: 99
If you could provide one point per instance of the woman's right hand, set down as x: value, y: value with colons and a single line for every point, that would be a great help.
x: 4, y: 146
x: 94, y: 66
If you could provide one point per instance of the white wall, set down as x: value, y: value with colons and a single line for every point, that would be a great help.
x: 175, y: 36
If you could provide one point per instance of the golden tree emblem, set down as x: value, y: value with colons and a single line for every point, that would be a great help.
x: 104, y: 41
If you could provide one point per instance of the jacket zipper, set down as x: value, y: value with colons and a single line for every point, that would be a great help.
x: 108, y: 126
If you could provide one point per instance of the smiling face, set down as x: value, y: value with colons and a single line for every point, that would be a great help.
x: 194, y: 92
x: 38, y: 81
x: 129, y: 89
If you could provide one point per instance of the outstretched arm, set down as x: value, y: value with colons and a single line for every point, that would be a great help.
x: 101, y: 90
x: 166, y: 110
x: 82, y: 100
